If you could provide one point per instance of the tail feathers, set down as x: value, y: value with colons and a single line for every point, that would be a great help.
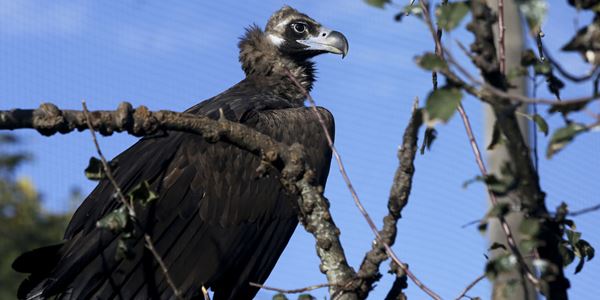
x: 39, y: 263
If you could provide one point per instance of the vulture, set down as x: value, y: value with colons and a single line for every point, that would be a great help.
x: 215, y: 223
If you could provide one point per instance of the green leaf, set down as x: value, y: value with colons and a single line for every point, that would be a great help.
x: 562, y: 137
x: 497, y: 245
x: 500, y: 186
x: 528, y: 245
x: 280, y: 297
x: 561, y: 212
x: 528, y: 58
x: 573, y: 237
x: 554, y: 85
x: 516, y: 72
x: 494, y: 184
x: 530, y: 227
x: 541, y: 124
x: 125, y: 248
x: 545, y: 267
x: 414, y: 10
x: 471, y: 181
x: 568, y: 107
x: 482, y: 227
x: 582, y: 249
x: 566, y: 253
x: 450, y: 14
x: 542, y: 67
x: 585, y: 249
x: 116, y: 221
x: 376, y: 3
x: 588, y: 250
x: 534, y: 12
x: 431, y: 62
x: 499, y: 210
x: 94, y: 170
x: 430, y: 136
x: 501, y: 264
x: 441, y: 105
x: 579, y: 266
x: 306, y: 297
x: 496, y: 137
x: 142, y: 193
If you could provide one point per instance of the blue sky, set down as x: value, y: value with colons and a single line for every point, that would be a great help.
x: 173, y: 54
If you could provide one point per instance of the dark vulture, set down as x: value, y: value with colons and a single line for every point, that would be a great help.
x: 216, y: 224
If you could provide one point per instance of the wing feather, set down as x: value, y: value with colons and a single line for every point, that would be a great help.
x: 215, y: 223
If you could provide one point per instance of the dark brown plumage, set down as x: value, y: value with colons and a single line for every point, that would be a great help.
x: 215, y: 223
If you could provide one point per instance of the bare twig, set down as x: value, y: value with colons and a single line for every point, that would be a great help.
x: 130, y: 209
x: 575, y: 78
x: 534, y: 131
x: 584, y: 210
x: 438, y: 45
x: 512, y: 244
x: 150, y: 246
x: 357, y: 201
x: 538, y: 34
x: 470, y: 286
x: 501, y: 30
x: 291, y: 291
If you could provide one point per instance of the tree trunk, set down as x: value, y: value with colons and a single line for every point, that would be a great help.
x: 497, y: 157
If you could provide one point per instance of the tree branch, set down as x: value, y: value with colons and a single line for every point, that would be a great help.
x: 291, y: 291
x: 501, y: 31
x: 357, y: 201
x: 296, y: 177
x: 470, y: 286
x: 399, y: 193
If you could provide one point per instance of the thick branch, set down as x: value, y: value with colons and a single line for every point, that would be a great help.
x: 531, y: 196
x: 400, y: 191
x: 296, y: 175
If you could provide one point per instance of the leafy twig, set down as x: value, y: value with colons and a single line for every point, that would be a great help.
x: 478, y: 158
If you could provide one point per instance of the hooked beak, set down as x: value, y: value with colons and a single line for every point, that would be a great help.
x: 327, y: 40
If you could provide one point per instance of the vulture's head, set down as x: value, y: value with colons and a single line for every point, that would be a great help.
x: 299, y: 36
x: 288, y: 42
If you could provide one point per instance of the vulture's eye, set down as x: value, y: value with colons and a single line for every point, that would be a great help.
x: 299, y: 27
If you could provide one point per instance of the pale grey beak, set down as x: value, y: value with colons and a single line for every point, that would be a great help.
x: 327, y: 40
